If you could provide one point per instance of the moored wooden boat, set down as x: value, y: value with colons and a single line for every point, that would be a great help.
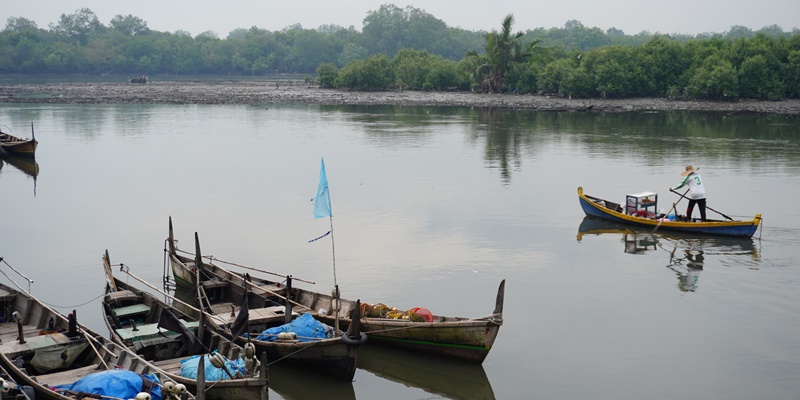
x: 601, y: 208
x: 223, y: 296
x: 468, y: 339
x: 16, y: 145
x: 140, y: 79
x: 44, y: 350
x: 138, y: 321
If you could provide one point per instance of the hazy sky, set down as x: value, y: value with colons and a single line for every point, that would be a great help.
x: 632, y: 16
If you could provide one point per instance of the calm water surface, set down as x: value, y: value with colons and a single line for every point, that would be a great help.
x: 433, y: 207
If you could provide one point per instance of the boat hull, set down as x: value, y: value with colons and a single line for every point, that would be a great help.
x: 459, y: 338
x: 14, y: 145
x: 594, y: 207
x: 158, y: 347
x: 47, y: 331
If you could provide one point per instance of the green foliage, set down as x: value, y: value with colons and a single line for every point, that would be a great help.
x: 502, y: 63
x: 372, y: 74
x: 715, y: 79
x: 426, y: 54
x: 327, y: 73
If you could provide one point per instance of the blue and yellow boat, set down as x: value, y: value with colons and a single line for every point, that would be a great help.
x: 605, y: 209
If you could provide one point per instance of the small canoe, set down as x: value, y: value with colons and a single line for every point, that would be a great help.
x: 605, y: 209
x: 15, y: 145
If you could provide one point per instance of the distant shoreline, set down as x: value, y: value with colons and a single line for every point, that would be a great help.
x: 277, y: 92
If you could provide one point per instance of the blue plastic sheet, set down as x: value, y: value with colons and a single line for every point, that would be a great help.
x: 190, y: 366
x: 118, y: 383
x: 305, y: 326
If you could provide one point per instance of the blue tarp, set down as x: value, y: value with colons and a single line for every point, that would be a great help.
x: 305, y: 327
x: 189, y: 368
x: 118, y: 383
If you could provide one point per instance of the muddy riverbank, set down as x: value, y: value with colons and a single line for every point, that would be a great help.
x: 266, y: 92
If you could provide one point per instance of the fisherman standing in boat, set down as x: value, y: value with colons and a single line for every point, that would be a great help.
x: 698, y: 192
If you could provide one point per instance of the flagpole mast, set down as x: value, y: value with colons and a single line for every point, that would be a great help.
x: 336, y: 304
x: 333, y: 253
x: 322, y: 208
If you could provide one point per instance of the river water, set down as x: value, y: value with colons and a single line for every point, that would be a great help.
x: 433, y: 207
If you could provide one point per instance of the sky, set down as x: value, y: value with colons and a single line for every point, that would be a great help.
x: 631, y: 16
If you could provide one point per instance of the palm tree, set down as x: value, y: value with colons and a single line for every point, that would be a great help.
x: 504, y: 54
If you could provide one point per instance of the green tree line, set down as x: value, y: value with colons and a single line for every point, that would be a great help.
x: 407, y: 48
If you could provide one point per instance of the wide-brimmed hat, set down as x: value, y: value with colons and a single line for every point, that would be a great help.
x: 689, y: 170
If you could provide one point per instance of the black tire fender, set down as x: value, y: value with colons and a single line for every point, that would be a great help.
x: 355, y: 342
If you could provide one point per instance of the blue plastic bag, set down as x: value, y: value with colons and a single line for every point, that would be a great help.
x: 118, y: 383
x: 305, y: 327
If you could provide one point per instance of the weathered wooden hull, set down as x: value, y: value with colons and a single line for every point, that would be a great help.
x: 592, y: 206
x: 15, y: 145
x: 159, y: 353
x: 40, y: 334
x: 467, y: 339
x: 334, y: 356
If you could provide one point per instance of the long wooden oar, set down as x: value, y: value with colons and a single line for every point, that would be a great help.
x: 674, y: 206
x: 729, y: 218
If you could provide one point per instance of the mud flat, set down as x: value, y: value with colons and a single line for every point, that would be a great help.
x: 266, y: 92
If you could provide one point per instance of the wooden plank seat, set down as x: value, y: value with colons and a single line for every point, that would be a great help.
x: 131, y: 311
x: 33, y: 341
x: 151, y: 331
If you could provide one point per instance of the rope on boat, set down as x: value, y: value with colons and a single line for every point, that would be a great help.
x: 251, y: 284
x: 294, y: 352
x: 75, y: 306
x: 211, y: 258
x: 30, y: 281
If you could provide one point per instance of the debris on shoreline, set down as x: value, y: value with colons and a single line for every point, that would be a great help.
x: 266, y: 92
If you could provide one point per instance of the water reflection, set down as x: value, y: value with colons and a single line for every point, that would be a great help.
x: 442, y: 377
x: 27, y: 165
x: 687, y: 268
x: 645, y: 240
x: 293, y: 383
x: 686, y: 254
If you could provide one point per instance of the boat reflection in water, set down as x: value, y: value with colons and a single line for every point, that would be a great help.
x: 687, y: 254
x: 436, y: 375
x: 294, y: 383
x: 439, y: 376
x: 27, y: 165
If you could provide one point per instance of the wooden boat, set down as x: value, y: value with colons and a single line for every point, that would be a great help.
x: 601, y: 208
x: 223, y: 296
x: 15, y: 145
x: 44, y: 350
x: 136, y: 320
x: 140, y: 79
x: 467, y: 339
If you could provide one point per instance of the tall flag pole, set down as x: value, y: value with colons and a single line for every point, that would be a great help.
x: 322, y: 208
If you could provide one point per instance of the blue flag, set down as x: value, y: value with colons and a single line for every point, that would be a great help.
x: 322, y: 203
